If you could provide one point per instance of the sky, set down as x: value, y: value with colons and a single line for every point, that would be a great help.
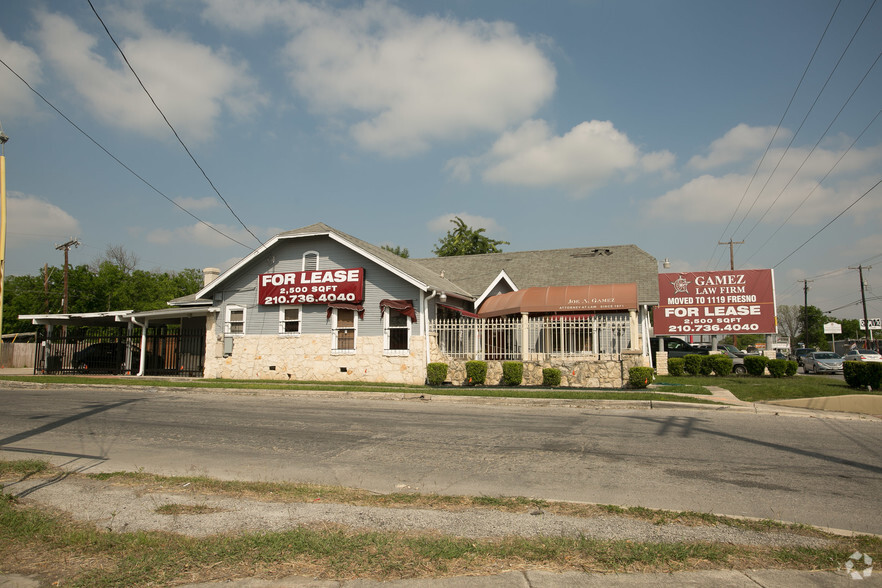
x: 670, y: 124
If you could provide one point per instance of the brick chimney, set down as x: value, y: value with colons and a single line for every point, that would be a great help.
x: 209, y: 274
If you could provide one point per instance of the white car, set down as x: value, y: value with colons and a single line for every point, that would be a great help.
x: 862, y: 355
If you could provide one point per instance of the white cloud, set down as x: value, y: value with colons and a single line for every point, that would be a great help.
x: 32, y: 219
x: 201, y: 234
x: 192, y: 204
x: 442, y: 224
x: 193, y: 84
x: 735, y: 145
x: 403, y: 82
x: 589, y: 155
x: 15, y: 98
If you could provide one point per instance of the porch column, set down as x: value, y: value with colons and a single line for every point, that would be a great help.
x: 632, y: 313
x: 525, y: 337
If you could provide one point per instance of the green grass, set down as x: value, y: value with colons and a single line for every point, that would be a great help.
x: 275, y: 385
x: 753, y: 389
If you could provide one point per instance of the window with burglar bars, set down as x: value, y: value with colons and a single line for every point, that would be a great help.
x: 555, y: 336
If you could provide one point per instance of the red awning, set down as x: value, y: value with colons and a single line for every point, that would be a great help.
x: 405, y: 307
x: 562, y: 299
x: 342, y: 305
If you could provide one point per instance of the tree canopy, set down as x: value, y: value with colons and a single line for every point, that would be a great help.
x: 397, y: 250
x: 465, y: 240
x: 93, y: 289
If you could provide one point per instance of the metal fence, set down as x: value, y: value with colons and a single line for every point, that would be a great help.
x: 509, y: 338
x: 100, y: 350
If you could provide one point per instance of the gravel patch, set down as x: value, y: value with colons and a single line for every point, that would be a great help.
x: 131, y: 508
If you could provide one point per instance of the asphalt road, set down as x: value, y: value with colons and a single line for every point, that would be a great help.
x: 825, y: 472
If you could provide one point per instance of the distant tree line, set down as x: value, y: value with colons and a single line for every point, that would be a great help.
x: 109, y: 283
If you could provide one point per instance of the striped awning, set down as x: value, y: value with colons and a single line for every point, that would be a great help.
x: 557, y: 299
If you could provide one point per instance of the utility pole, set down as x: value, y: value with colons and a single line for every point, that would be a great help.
x: 3, y: 140
x: 860, y: 270
x: 805, y: 330
x: 731, y: 245
x: 66, y: 247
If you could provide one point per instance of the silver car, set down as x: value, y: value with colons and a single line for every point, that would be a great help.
x: 862, y: 355
x: 822, y: 362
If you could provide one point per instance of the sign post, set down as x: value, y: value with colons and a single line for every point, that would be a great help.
x: 832, y: 329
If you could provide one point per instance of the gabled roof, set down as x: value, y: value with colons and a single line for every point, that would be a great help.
x: 410, y: 271
x: 614, y: 264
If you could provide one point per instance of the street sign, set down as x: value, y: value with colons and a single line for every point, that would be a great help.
x: 875, y: 324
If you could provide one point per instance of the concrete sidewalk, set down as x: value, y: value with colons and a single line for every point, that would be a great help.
x: 540, y: 579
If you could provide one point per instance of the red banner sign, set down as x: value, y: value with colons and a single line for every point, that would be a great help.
x: 311, y: 287
x: 716, y: 303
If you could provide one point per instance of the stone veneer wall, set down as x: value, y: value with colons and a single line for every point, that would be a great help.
x: 598, y: 371
x: 308, y: 357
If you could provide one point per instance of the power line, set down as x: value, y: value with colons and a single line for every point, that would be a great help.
x: 859, y: 198
x: 116, y: 159
x: 780, y: 122
x: 177, y: 136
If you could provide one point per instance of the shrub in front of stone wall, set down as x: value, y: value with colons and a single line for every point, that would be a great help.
x: 722, y: 365
x: 792, y: 368
x: 640, y: 377
x: 755, y: 364
x: 692, y: 364
x: 436, y: 373
x: 676, y: 366
x: 550, y: 377
x: 512, y: 373
x: 777, y: 367
x: 476, y: 372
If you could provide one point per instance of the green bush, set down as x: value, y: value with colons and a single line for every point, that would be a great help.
x: 755, y: 364
x: 692, y: 364
x: 676, y: 366
x: 777, y: 367
x: 551, y: 377
x: 640, y: 377
x: 792, y: 368
x: 706, y: 367
x: 476, y: 372
x: 512, y: 373
x: 722, y: 364
x: 436, y: 373
x: 860, y: 375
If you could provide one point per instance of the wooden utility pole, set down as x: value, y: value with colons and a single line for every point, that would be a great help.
x: 731, y: 245
x: 805, y: 289
x: 860, y: 270
x: 66, y: 247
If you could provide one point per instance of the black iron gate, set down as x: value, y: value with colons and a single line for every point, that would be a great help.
x: 169, y: 351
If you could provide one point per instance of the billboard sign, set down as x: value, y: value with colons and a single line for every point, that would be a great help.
x: 311, y: 287
x: 716, y: 303
x: 875, y: 324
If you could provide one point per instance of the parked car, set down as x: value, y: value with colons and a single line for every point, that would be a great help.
x: 104, y: 357
x: 674, y: 347
x: 818, y: 362
x: 801, y: 353
x: 731, y: 349
x: 862, y: 355
x: 737, y: 362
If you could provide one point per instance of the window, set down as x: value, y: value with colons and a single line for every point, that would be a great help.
x: 235, y: 321
x: 310, y: 261
x: 289, y: 320
x: 344, y: 327
x: 397, y: 332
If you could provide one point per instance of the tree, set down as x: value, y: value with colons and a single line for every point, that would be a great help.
x: 815, y: 322
x: 118, y: 256
x: 397, y: 250
x: 464, y: 240
x: 788, y: 321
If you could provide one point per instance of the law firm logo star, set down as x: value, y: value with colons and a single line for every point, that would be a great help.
x: 681, y: 285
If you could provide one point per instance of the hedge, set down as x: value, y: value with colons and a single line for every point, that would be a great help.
x: 640, y: 377
x: 436, y: 373
x: 692, y: 364
x: 676, y: 366
x: 859, y: 374
x: 722, y: 364
x: 550, y: 377
x: 476, y: 372
x: 755, y: 364
x: 777, y: 367
x: 512, y: 373
x: 706, y: 367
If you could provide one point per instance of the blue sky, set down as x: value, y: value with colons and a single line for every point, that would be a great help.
x: 552, y: 125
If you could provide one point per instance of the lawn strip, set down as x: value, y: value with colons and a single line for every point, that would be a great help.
x: 759, y: 389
